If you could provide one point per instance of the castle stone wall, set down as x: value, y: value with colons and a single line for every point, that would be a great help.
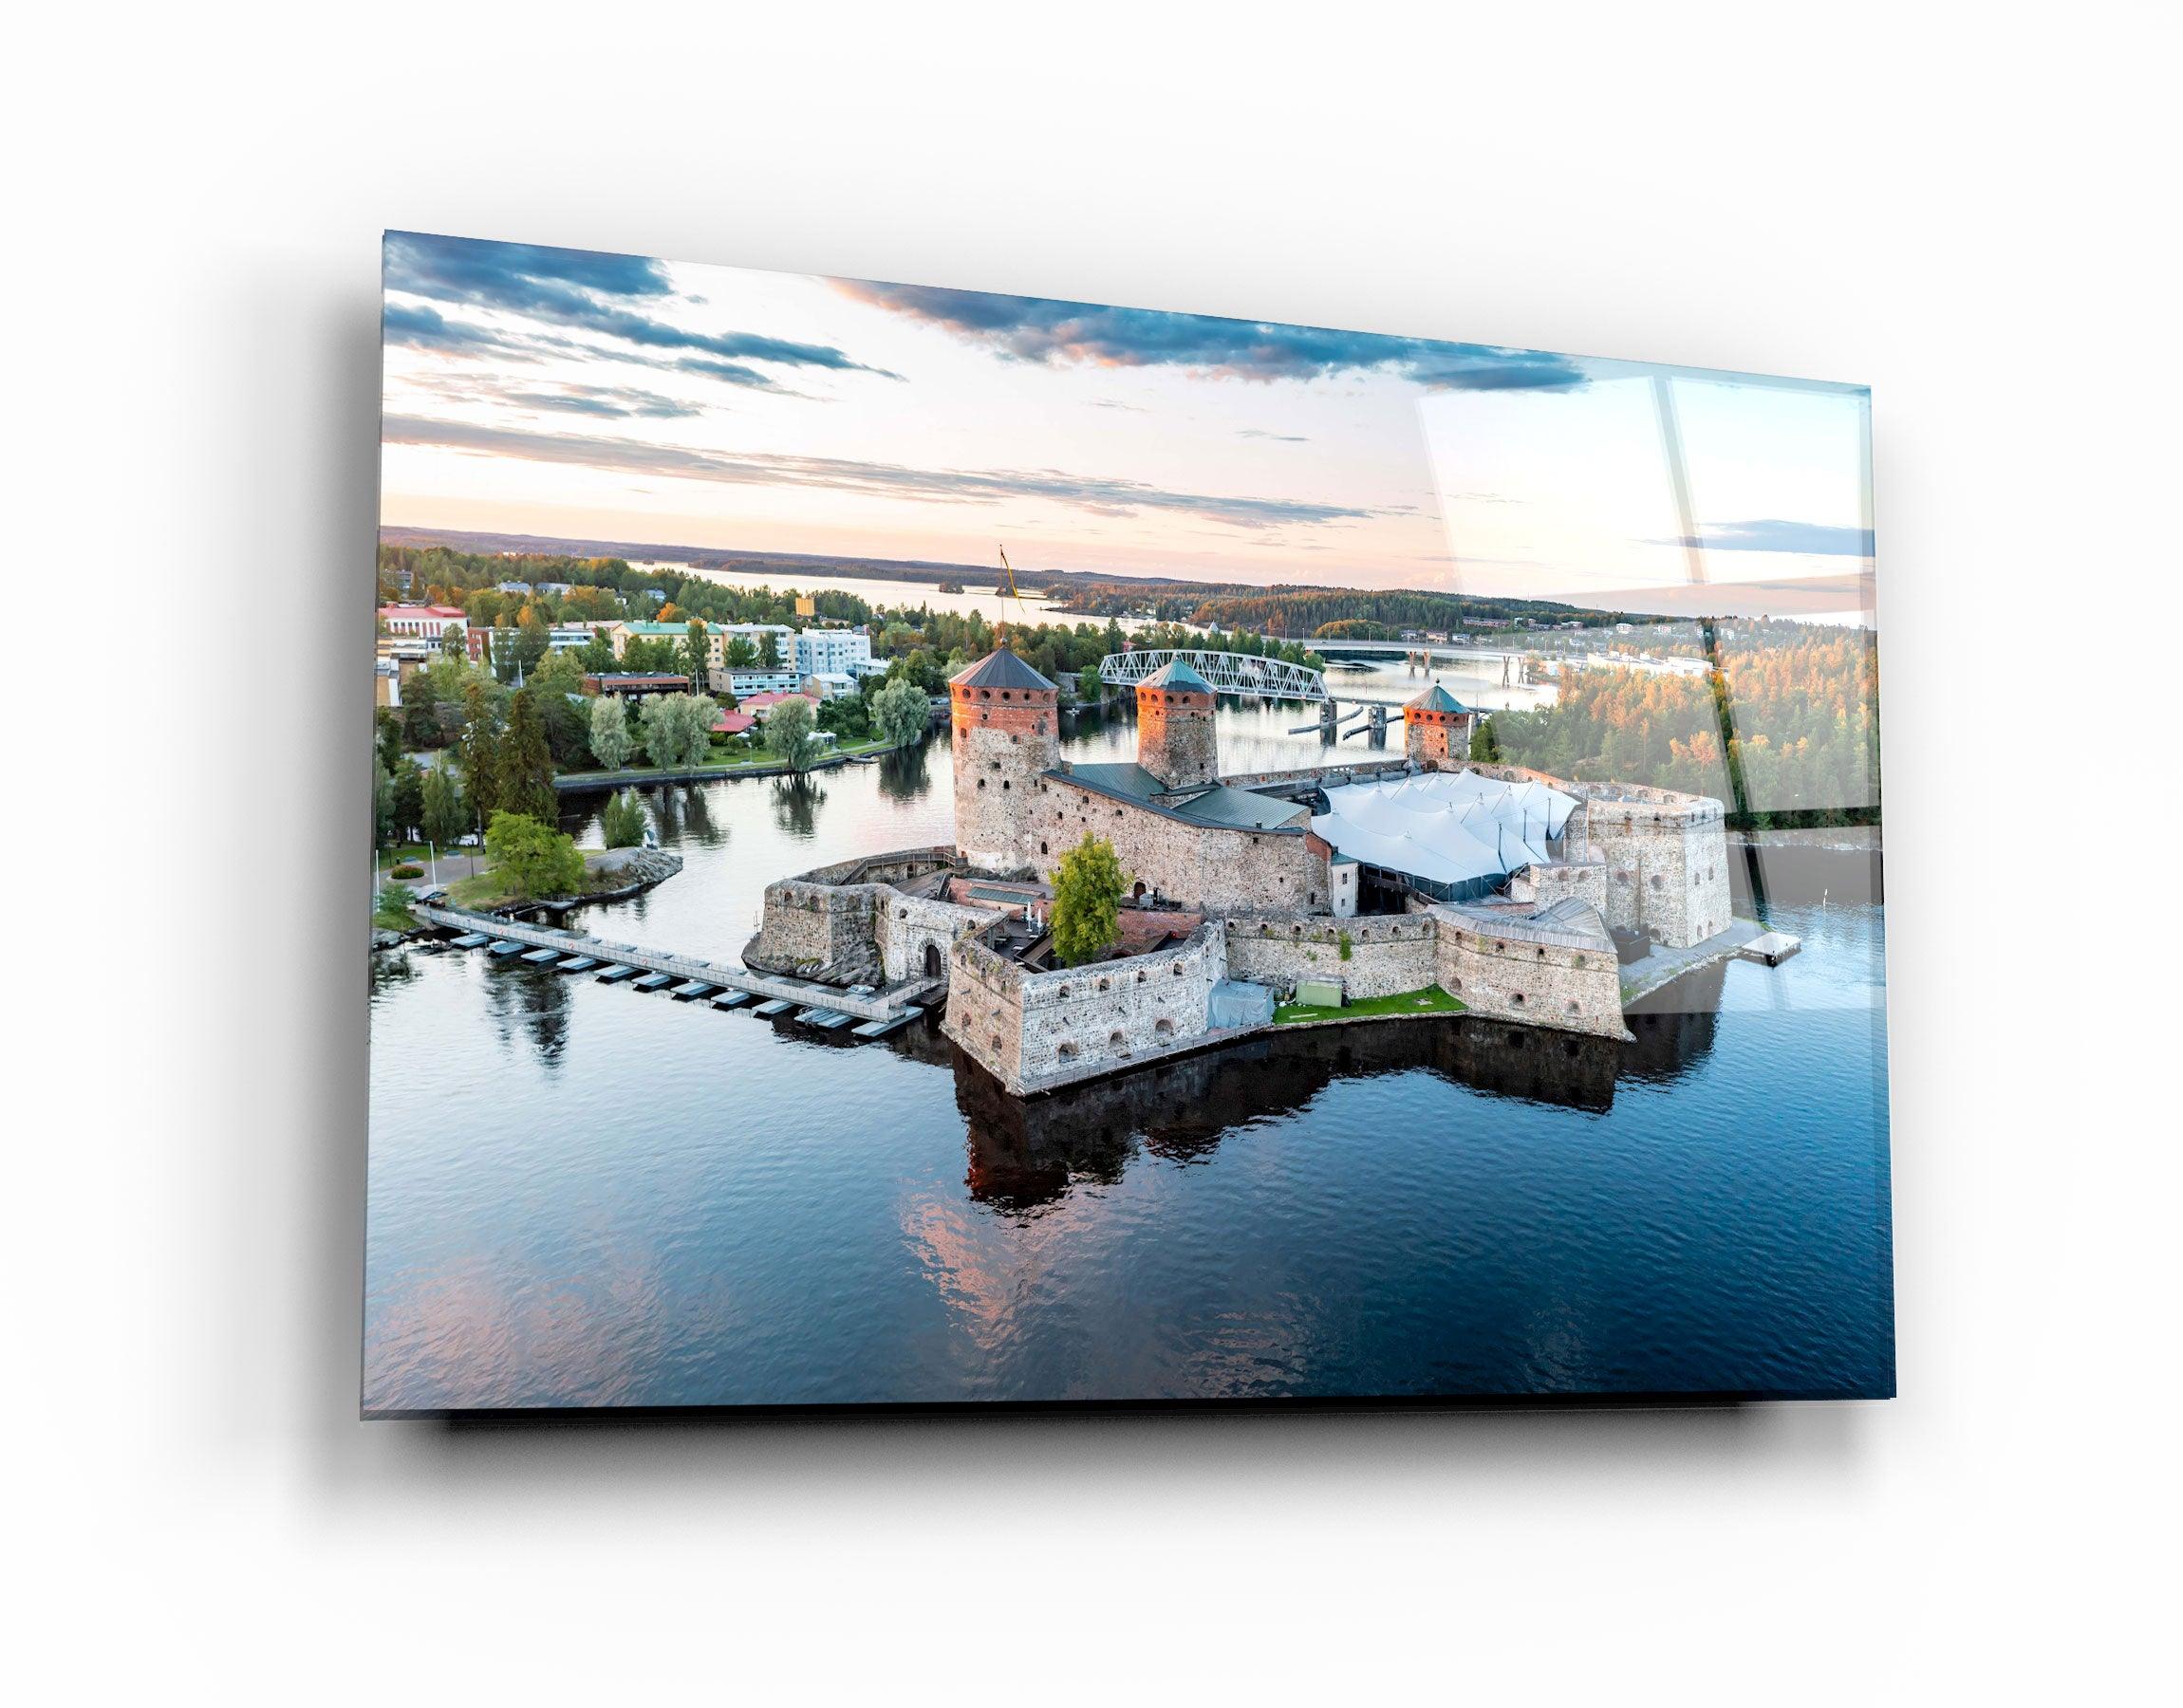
x: 1666, y: 857
x: 1512, y: 970
x: 1036, y: 1031
x: 1388, y: 953
x: 1212, y: 867
x: 1561, y: 882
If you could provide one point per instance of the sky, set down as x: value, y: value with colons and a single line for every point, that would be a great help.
x: 573, y: 394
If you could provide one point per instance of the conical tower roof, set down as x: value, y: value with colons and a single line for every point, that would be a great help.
x: 1435, y: 699
x: 1001, y: 668
x: 1177, y: 674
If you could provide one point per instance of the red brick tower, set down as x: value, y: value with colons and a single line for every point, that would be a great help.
x: 1175, y: 740
x: 1006, y: 732
x: 1436, y: 729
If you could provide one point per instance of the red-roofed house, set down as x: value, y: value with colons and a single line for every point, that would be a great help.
x: 422, y: 622
x: 734, y: 723
x: 759, y: 704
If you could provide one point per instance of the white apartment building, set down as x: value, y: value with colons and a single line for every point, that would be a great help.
x: 831, y: 652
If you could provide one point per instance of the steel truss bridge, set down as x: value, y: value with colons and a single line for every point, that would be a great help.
x: 1227, y: 672
x: 1261, y: 679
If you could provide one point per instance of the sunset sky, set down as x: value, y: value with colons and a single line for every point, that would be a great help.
x: 565, y: 393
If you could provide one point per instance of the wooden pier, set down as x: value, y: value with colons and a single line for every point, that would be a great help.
x: 626, y: 960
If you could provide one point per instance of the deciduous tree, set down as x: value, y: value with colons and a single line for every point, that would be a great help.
x: 532, y: 859
x: 1088, y: 888
x: 789, y: 733
x: 901, y: 711
x: 611, y: 741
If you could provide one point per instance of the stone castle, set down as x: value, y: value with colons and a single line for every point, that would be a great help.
x: 1235, y: 898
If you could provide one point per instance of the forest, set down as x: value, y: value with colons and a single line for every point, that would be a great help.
x: 1305, y: 611
x: 1786, y: 731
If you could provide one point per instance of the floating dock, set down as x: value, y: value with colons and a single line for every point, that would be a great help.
x: 654, y: 981
x: 730, y: 999
x: 472, y: 940
x: 538, y: 958
x: 1772, y: 949
x: 879, y: 1028
x: 766, y: 1011
x: 824, y: 1019
x: 616, y: 975
x: 692, y: 991
x: 576, y: 963
x: 505, y: 949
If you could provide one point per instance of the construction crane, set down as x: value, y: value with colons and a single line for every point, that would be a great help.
x: 1020, y: 614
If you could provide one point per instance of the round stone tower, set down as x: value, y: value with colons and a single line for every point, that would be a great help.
x: 1007, y: 731
x: 1175, y: 738
x: 1436, y: 729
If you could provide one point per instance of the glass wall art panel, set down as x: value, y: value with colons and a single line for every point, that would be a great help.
x: 937, y: 849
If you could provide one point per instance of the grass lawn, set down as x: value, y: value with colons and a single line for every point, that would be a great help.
x: 1431, y: 1000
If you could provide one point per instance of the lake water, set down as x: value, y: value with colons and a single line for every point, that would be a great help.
x: 980, y: 596
x: 584, y: 1196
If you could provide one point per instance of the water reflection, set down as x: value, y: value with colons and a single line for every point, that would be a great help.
x: 533, y: 1000
x: 1028, y: 1153
x: 905, y: 772
x: 797, y: 802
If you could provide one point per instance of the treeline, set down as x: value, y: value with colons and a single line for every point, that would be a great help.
x: 1304, y: 611
x: 927, y: 646
x: 1789, y: 732
x: 600, y: 589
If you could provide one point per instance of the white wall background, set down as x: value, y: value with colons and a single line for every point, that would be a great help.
x: 1971, y: 209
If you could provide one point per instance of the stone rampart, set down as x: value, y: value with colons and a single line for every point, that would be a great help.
x: 1511, y: 970
x: 1387, y: 953
x: 1036, y: 1031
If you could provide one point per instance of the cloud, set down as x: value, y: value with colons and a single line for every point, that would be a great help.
x: 602, y: 401
x: 579, y: 289
x: 1816, y: 539
x: 1104, y: 497
x: 1046, y: 331
x: 1286, y: 439
x: 420, y: 328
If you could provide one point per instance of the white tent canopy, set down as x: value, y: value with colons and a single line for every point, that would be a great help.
x: 1454, y: 831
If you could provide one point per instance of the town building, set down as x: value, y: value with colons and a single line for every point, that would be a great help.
x: 424, y: 623
x: 831, y: 652
x: 636, y: 685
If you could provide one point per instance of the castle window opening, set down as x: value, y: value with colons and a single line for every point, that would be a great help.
x: 1066, y: 1051
x: 1116, y: 1040
x: 1163, y: 1027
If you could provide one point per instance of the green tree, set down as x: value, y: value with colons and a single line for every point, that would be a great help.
x: 742, y: 655
x: 454, y: 643
x: 382, y: 803
x: 622, y: 824
x: 769, y: 651
x: 387, y: 736
x: 408, y: 797
x: 696, y: 653
x: 523, y: 778
x: 790, y: 733
x: 901, y: 711
x: 445, y: 814
x: 597, y: 654
x: 533, y: 860
x: 1087, y: 684
x: 420, y: 729
x: 1088, y: 888
x: 478, y: 751
x: 677, y: 729
x: 1485, y: 744
x: 611, y: 740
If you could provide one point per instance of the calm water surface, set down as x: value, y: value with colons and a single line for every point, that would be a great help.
x: 581, y: 1195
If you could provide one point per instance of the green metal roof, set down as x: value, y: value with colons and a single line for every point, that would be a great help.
x: 1435, y: 699
x: 1178, y: 675
x: 1240, y: 810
